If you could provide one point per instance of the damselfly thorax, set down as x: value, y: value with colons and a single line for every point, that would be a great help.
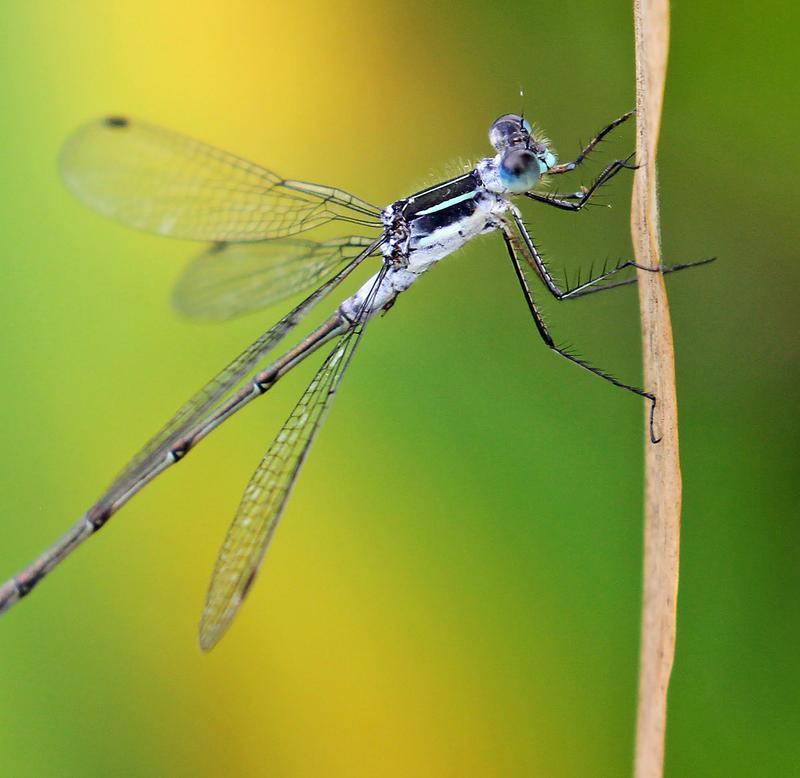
x: 427, y: 227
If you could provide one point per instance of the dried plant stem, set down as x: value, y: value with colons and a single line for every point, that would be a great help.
x: 662, y: 465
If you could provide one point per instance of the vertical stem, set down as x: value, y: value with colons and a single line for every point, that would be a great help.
x: 662, y: 465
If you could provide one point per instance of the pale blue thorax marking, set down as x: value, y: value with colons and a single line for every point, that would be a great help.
x: 447, y: 203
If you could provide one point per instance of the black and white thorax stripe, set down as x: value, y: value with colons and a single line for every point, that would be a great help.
x: 435, y: 222
x: 423, y: 229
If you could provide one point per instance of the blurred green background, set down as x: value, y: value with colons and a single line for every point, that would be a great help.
x: 454, y: 590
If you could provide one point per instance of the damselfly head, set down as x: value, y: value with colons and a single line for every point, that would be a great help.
x: 523, y: 157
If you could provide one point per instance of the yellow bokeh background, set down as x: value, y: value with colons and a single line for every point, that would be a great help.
x: 454, y: 589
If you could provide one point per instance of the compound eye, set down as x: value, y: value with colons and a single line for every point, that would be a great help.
x: 509, y: 130
x: 520, y: 169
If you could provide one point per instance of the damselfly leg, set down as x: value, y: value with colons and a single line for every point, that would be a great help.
x: 534, y: 257
x: 566, y: 167
x: 577, y: 200
x: 514, y: 249
x: 593, y: 286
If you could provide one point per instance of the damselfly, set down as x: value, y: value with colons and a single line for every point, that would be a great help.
x: 159, y: 181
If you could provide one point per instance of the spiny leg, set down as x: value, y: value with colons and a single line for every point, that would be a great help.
x: 566, y: 167
x: 548, y: 339
x: 534, y: 258
x: 590, y: 287
x: 565, y: 201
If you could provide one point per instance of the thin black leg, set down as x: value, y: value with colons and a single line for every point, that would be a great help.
x: 562, y: 201
x: 582, y: 290
x: 534, y: 258
x: 548, y: 339
x: 566, y: 167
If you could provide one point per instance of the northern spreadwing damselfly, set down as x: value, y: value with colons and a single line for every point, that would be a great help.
x: 162, y: 182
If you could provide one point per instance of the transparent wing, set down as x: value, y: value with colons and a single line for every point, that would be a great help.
x: 163, y: 182
x: 231, y: 279
x: 207, y: 398
x: 268, y: 490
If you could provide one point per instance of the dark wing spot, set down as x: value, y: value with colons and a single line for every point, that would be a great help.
x: 116, y: 121
x: 218, y: 246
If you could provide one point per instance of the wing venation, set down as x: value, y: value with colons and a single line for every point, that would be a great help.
x: 160, y: 181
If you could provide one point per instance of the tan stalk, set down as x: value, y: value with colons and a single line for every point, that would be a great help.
x: 662, y: 463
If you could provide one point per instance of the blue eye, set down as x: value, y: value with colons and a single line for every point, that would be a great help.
x: 520, y: 169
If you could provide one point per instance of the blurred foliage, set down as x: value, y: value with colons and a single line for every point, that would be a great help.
x: 455, y: 587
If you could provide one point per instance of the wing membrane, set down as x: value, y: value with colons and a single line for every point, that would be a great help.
x: 231, y: 279
x: 207, y: 398
x: 268, y: 490
x: 159, y: 181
